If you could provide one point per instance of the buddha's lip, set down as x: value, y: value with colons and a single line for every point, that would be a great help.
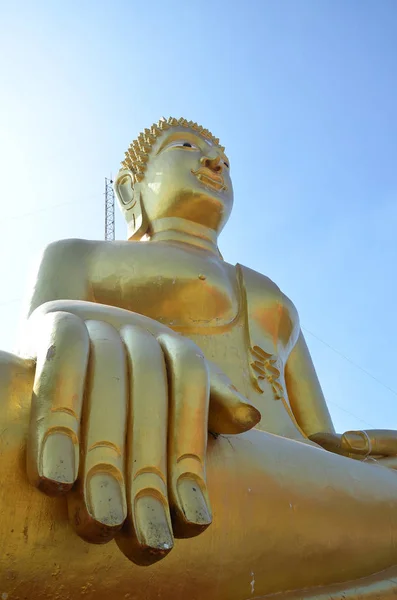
x: 209, y: 178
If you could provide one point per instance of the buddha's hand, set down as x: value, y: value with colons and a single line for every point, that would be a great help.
x: 362, y: 444
x: 120, y: 415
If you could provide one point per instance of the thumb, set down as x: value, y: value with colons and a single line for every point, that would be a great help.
x: 229, y: 411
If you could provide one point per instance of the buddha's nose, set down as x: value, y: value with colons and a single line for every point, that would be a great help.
x: 212, y: 163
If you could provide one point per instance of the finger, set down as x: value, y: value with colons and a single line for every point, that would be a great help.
x: 188, y: 379
x: 229, y: 411
x: 328, y: 441
x: 97, y: 507
x: 147, y: 534
x: 372, y: 441
x: 53, y: 443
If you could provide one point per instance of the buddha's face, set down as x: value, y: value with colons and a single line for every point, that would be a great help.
x: 188, y: 177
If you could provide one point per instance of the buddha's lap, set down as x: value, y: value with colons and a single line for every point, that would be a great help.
x: 274, y: 500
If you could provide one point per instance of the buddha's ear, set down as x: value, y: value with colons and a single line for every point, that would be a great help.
x: 128, y: 193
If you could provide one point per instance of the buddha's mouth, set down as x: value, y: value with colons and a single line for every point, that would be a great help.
x: 210, y: 179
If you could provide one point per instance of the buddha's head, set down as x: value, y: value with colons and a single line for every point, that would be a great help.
x: 174, y: 169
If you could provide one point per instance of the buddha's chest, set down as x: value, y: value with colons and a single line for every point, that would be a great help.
x: 179, y: 289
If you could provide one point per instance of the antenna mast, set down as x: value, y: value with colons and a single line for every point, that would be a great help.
x: 109, y: 210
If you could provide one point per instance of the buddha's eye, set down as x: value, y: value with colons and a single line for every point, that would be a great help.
x: 182, y: 144
x: 226, y: 164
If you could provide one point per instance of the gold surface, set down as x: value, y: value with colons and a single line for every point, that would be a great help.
x: 111, y: 486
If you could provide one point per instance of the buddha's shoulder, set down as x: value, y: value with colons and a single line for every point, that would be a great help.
x: 96, y: 250
x: 263, y: 291
x: 70, y: 248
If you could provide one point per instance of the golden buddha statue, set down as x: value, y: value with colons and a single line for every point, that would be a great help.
x: 168, y: 401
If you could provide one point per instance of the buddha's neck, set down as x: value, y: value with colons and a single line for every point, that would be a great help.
x: 175, y: 229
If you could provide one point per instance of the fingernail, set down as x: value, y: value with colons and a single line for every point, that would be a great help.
x: 193, y: 502
x: 355, y: 441
x: 106, y: 499
x: 151, y: 524
x: 58, y: 458
x: 247, y: 415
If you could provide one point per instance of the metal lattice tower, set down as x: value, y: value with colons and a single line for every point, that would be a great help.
x: 109, y: 210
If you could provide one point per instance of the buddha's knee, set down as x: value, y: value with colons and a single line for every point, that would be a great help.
x: 16, y: 380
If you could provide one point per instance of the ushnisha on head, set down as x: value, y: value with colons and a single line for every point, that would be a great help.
x: 176, y: 171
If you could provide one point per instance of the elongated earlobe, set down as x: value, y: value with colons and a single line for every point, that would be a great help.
x: 137, y: 222
x: 128, y: 193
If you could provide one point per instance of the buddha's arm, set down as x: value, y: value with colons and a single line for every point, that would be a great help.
x: 311, y: 412
x: 84, y: 353
x: 304, y: 391
x: 62, y: 273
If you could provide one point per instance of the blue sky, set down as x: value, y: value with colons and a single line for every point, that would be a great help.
x: 303, y: 94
